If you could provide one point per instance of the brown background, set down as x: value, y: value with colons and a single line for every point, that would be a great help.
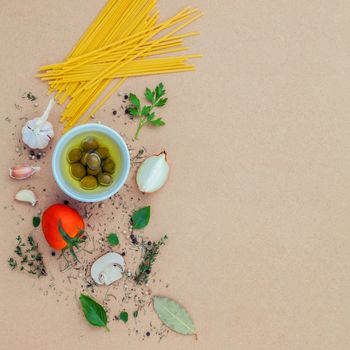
x: 257, y: 206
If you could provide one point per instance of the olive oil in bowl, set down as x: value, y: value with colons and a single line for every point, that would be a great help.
x: 108, y: 139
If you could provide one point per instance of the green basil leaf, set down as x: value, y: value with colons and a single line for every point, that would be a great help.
x: 134, y: 100
x: 173, y: 315
x: 94, y: 313
x: 141, y: 217
x: 36, y: 221
x: 124, y: 316
x: 113, y: 239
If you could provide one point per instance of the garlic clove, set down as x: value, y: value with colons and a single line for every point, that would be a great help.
x: 22, y: 172
x: 38, y: 132
x: 153, y: 173
x: 26, y: 196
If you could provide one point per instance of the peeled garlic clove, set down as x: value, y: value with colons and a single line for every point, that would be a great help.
x: 26, y: 196
x: 22, y: 172
x: 153, y: 173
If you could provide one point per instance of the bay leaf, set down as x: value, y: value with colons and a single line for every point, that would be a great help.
x: 173, y: 315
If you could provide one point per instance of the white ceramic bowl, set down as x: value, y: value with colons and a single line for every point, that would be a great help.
x: 59, y: 156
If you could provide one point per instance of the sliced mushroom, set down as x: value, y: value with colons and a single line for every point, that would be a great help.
x: 108, y: 269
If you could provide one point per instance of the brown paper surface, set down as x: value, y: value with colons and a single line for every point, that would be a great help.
x: 257, y: 204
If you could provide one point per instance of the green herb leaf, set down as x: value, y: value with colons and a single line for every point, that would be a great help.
x: 12, y: 263
x: 160, y: 91
x: 135, y: 101
x: 133, y: 111
x: 141, y: 217
x: 36, y: 221
x: 158, y: 122
x: 161, y: 102
x: 124, y: 316
x: 149, y: 95
x: 151, y: 116
x: 173, y: 315
x: 145, y: 110
x: 113, y: 239
x: 135, y: 313
x: 94, y: 313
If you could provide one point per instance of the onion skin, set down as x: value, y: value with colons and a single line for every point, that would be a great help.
x: 153, y: 173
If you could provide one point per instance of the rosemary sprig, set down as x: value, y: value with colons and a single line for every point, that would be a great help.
x: 148, y: 260
x: 31, y: 259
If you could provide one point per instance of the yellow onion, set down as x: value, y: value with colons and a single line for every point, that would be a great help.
x: 153, y: 173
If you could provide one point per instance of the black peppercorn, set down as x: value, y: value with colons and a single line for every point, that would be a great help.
x: 123, y: 254
x: 148, y: 334
x: 66, y: 202
x: 132, y: 236
x: 53, y: 253
x: 149, y: 242
x: 38, y: 156
x: 114, y: 112
x: 126, y: 97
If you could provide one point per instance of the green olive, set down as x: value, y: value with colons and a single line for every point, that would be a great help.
x: 84, y: 158
x: 89, y: 182
x: 103, y: 152
x: 78, y: 171
x: 105, y: 179
x: 109, y: 165
x: 94, y: 172
x: 93, y: 161
x: 89, y: 144
x: 74, y: 155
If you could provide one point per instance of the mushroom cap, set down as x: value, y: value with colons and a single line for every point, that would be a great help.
x: 108, y: 268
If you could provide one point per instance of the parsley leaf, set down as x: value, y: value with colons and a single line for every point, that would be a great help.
x: 146, y: 114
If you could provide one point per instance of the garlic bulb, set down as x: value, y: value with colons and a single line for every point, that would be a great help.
x: 38, y: 132
x: 22, y: 172
x: 153, y: 173
x: 26, y: 196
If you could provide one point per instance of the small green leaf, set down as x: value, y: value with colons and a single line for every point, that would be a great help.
x: 94, y: 313
x: 135, y: 313
x: 145, y: 110
x: 160, y: 91
x: 149, y: 95
x: 124, y: 316
x: 158, y: 122
x: 36, y: 221
x: 161, y: 102
x: 135, y: 101
x: 151, y: 116
x: 141, y: 217
x: 173, y: 315
x: 12, y: 263
x: 113, y: 239
x: 133, y: 111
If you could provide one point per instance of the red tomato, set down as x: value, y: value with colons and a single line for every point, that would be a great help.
x: 71, y: 222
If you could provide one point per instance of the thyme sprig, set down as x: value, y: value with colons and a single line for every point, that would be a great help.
x: 31, y: 260
x: 148, y: 260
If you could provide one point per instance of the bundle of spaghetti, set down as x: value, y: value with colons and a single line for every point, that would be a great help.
x: 122, y: 42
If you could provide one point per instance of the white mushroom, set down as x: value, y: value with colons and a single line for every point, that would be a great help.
x: 108, y: 269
